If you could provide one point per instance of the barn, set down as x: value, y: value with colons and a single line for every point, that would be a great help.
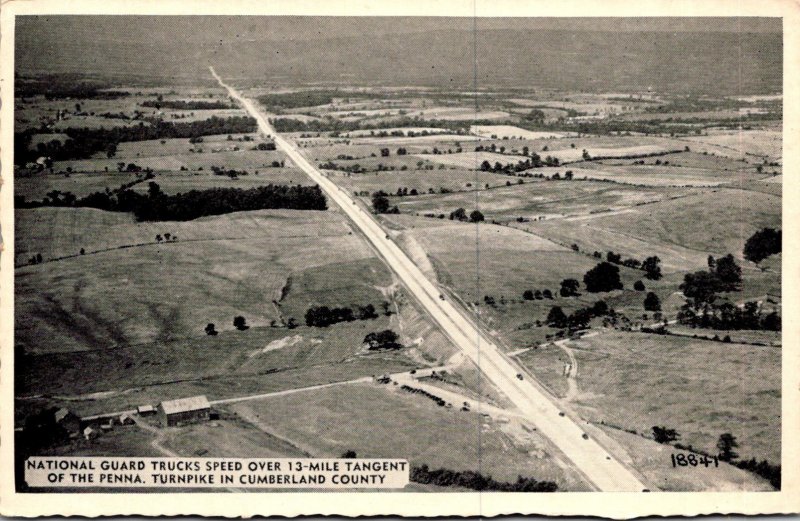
x: 172, y: 413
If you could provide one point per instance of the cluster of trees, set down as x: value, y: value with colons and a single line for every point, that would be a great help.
x: 727, y: 316
x: 726, y: 447
x: 460, y: 214
x: 323, y: 316
x: 569, y: 288
x: 520, y: 166
x: 537, y: 294
x: 186, y: 105
x: 336, y: 126
x: 386, y: 339
x: 580, y: 318
x: 603, y: 277
x: 83, y: 143
x: 311, y: 98
x: 702, y: 287
x: 762, y: 244
x: 477, y: 481
x: 36, y: 259
x: 158, y: 206
x: 233, y: 174
x: 651, y: 265
x: 54, y: 87
x: 439, y: 401
x: 380, y: 203
x: 265, y: 146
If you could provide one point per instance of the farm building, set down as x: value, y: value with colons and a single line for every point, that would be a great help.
x: 172, y: 413
x: 145, y: 410
x: 67, y: 420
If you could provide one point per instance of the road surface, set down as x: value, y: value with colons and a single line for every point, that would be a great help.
x: 599, y: 468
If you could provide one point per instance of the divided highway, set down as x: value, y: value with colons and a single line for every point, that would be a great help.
x: 599, y: 468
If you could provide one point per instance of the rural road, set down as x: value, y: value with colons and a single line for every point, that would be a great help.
x: 600, y: 469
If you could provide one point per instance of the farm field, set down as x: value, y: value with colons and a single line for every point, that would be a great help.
x: 729, y: 217
x: 421, y: 180
x: 538, y: 198
x: 760, y: 143
x: 741, y: 393
x: 371, y: 420
x: 507, y: 131
x: 112, y: 313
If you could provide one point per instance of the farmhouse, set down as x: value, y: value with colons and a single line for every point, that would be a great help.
x: 172, y: 413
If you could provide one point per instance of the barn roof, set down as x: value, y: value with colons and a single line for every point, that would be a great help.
x: 193, y: 403
x: 61, y: 414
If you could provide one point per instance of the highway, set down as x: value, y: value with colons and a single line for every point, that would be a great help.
x: 600, y: 469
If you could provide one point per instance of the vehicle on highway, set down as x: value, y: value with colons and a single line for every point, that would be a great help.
x: 519, y: 376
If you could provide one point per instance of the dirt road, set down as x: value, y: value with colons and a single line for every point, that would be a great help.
x: 600, y: 469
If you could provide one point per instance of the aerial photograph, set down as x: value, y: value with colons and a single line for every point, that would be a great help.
x: 523, y: 254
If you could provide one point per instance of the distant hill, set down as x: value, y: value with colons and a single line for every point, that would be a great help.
x: 718, y: 62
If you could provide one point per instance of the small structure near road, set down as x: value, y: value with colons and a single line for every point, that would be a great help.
x: 173, y: 413
x: 145, y: 410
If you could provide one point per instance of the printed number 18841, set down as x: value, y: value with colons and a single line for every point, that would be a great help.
x: 693, y: 460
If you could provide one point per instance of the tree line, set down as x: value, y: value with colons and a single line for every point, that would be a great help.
x: 323, y: 316
x: 83, y: 143
x: 186, y: 105
x: 158, y: 206
x: 476, y: 481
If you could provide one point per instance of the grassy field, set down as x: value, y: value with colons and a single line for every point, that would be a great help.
x: 538, y: 198
x: 700, y: 388
x: 420, y: 180
x: 508, y: 131
x: 729, y: 217
x: 762, y: 143
x: 373, y: 420
x: 471, y: 160
x: 85, y: 301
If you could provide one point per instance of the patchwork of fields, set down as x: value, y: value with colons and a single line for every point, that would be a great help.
x: 111, y: 312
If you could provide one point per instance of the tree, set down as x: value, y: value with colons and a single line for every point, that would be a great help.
x: 458, y: 214
x: 380, y: 203
x: 83, y: 251
x: 664, y: 435
x: 729, y: 272
x: 556, y: 317
x: 579, y: 319
x: 384, y: 152
x: 569, y: 288
x: 527, y: 295
x: 638, y: 285
x: 547, y: 294
x: 600, y: 308
x: 762, y: 244
x: 476, y: 216
x: 211, y: 329
x: 726, y: 443
x: 603, y: 277
x: 651, y: 302
x: 652, y: 267
x: 386, y: 339
x: 538, y: 295
x: 240, y: 323
x: 486, y: 166
x: 349, y: 454
x: 701, y: 287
